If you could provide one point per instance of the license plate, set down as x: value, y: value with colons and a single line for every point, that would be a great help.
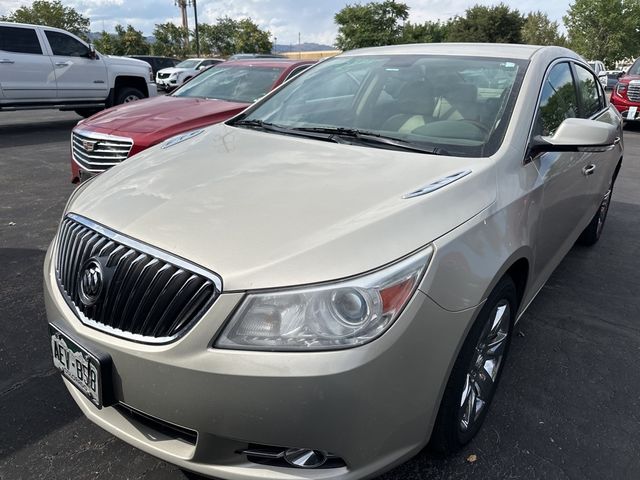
x: 83, y: 369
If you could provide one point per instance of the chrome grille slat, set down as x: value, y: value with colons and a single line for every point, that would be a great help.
x: 633, y: 92
x: 149, y: 296
x: 107, y: 151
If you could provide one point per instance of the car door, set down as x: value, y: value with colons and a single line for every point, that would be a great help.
x: 78, y: 75
x: 26, y: 73
x: 593, y: 105
x: 566, y: 198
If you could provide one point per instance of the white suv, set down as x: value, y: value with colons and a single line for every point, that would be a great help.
x: 173, y: 77
x: 45, y: 67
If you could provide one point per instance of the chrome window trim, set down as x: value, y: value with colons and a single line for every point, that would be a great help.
x: 144, y: 248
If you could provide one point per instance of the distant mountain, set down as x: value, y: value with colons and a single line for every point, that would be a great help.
x: 304, y: 47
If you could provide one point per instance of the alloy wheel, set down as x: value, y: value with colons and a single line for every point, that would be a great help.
x: 485, y: 365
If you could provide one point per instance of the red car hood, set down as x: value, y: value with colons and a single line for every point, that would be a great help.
x: 628, y: 78
x: 153, y: 120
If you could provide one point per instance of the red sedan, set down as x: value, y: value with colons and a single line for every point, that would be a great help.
x: 217, y: 94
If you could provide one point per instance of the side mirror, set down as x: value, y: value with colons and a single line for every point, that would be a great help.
x: 576, y: 135
x: 92, y: 52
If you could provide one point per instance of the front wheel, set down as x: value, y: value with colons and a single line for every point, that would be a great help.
x: 128, y: 94
x: 476, y: 372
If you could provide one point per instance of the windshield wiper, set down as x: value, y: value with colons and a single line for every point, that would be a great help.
x: 347, y: 135
x: 272, y: 127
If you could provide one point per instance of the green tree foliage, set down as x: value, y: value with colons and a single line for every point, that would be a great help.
x: 228, y: 36
x: 495, y: 24
x: 539, y: 30
x: 126, y: 41
x: 428, y: 32
x: 171, y: 41
x: 51, y: 14
x: 371, y: 24
x: 604, y: 30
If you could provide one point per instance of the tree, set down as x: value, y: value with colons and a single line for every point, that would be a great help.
x: 229, y: 36
x: 51, y: 14
x: 171, y: 40
x: 496, y: 24
x: 369, y: 25
x: 604, y: 30
x: 539, y: 30
x: 428, y: 32
x: 106, y: 43
x: 131, y: 41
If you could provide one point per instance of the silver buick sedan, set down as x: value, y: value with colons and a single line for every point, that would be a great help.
x: 329, y: 282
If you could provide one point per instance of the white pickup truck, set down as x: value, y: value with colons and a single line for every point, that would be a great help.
x: 45, y: 67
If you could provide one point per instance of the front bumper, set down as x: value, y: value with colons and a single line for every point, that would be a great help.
x: 625, y: 108
x: 373, y: 406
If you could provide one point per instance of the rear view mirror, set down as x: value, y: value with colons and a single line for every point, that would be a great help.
x: 92, y: 52
x: 576, y: 135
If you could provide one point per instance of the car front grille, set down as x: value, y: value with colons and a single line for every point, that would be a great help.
x: 633, y: 92
x: 129, y: 289
x: 97, y: 152
x: 163, y: 75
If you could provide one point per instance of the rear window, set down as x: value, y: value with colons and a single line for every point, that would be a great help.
x: 19, y: 40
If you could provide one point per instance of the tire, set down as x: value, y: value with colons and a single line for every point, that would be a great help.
x: 128, y: 94
x: 472, y: 376
x: 86, y: 112
x: 591, y: 234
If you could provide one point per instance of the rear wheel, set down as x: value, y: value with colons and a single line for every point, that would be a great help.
x: 128, y: 94
x: 477, y: 371
x: 591, y: 234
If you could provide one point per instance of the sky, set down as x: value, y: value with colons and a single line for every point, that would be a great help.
x: 283, y: 18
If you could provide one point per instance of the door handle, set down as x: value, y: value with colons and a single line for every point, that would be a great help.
x: 62, y: 64
x: 6, y: 60
x: 589, y: 169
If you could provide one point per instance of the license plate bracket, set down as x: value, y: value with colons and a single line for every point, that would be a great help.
x: 88, y: 370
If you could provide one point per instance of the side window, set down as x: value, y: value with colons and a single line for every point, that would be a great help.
x: 589, y: 88
x: 558, y: 101
x: 19, y: 40
x: 296, y: 71
x: 66, y: 46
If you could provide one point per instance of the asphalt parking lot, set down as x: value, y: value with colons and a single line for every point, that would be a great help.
x: 568, y: 406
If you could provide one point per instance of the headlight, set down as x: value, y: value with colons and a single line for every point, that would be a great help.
x: 621, y: 88
x: 325, y: 317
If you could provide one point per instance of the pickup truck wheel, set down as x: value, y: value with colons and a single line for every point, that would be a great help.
x: 128, y: 94
x: 86, y: 112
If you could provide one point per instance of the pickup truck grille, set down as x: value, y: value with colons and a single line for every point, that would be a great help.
x: 163, y: 75
x: 97, y: 152
x: 633, y: 92
x: 126, y: 288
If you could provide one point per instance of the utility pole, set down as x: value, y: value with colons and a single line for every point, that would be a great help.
x: 275, y: 44
x: 195, y: 14
x: 299, y: 47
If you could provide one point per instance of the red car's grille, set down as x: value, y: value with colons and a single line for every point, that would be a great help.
x: 97, y: 152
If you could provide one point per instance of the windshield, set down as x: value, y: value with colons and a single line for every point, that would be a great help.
x: 635, y: 68
x: 188, y: 64
x: 243, y: 84
x: 458, y: 104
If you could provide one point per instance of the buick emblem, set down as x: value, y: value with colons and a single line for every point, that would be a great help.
x: 89, y: 145
x: 91, y: 282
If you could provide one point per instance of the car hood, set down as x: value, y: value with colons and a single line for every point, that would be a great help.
x: 160, y: 117
x: 266, y: 210
x: 114, y: 60
x: 628, y: 78
x: 175, y: 70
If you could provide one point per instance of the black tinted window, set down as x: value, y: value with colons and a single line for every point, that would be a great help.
x: 589, y: 92
x: 19, y: 40
x: 66, y: 46
x: 558, y: 101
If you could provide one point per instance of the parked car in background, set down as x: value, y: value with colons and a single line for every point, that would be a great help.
x: 247, y: 56
x: 626, y: 94
x: 172, y: 77
x: 612, y: 78
x: 157, y: 63
x: 331, y: 280
x: 46, y: 67
x: 600, y: 70
x: 213, y: 96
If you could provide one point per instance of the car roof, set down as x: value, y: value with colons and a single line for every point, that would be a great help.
x: 498, y: 50
x: 269, y: 62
